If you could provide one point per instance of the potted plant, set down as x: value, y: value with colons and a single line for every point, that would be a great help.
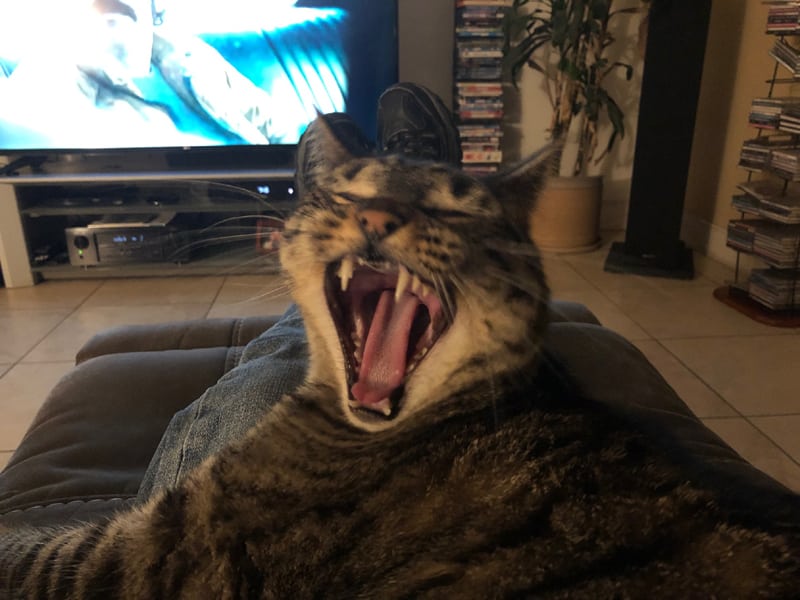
x: 567, y: 41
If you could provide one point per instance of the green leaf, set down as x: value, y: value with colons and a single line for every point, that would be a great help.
x: 615, y: 116
x: 576, y: 32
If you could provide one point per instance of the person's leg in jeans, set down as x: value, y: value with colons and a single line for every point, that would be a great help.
x: 412, y: 121
x: 271, y: 365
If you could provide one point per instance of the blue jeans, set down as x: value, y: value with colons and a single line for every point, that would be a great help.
x: 271, y: 365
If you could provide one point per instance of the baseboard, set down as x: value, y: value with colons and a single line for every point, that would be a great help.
x: 711, y: 240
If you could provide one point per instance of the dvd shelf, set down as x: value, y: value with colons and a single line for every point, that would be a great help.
x: 769, y: 200
x: 478, y: 87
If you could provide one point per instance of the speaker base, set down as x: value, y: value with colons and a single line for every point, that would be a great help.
x: 680, y: 265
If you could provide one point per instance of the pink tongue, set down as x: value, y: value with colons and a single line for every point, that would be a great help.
x: 384, y: 361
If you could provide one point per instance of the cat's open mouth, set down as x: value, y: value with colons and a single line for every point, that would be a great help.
x: 387, y: 319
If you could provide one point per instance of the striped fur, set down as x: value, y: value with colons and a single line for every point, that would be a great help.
x: 493, y: 478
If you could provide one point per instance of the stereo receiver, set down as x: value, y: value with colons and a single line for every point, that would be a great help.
x: 127, y: 239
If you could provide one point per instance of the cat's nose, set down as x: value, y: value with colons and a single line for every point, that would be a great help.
x: 378, y: 223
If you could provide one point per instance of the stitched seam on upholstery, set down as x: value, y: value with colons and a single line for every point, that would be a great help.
x: 237, y: 332
x: 233, y: 357
x: 67, y: 503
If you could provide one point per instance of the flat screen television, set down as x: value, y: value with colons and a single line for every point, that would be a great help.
x: 89, y: 84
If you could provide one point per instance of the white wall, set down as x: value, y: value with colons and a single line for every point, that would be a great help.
x: 426, y: 44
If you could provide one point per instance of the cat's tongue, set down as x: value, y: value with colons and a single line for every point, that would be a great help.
x: 383, y: 364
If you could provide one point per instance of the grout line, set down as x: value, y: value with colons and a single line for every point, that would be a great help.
x: 740, y: 414
x: 216, y: 296
x: 708, y: 386
x: 779, y: 332
x: 658, y: 340
x: 68, y: 314
x: 774, y: 443
x: 767, y: 415
x: 39, y: 341
x: 100, y: 284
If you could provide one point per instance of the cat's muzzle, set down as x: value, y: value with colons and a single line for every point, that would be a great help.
x: 388, y: 319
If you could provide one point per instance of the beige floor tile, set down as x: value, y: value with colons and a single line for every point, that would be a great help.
x: 757, y: 449
x: 22, y: 391
x: 712, y: 270
x: 48, y: 295
x: 756, y: 375
x: 251, y: 295
x: 562, y: 278
x: 4, y: 458
x: 21, y: 330
x: 591, y: 266
x: 156, y: 291
x: 607, y: 312
x: 669, y: 311
x: 783, y: 430
x: 701, y: 399
x: 67, y: 338
x: 4, y: 368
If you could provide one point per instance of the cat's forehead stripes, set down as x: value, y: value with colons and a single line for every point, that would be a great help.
x: 434, y: 186
x: 359, y: 178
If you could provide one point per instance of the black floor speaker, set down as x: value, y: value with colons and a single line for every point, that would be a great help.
x: 673, y: 67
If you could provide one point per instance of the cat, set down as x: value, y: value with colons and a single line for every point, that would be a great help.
x: 434, y: 450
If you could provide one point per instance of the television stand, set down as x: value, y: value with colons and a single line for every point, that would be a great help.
x: 37, y: 209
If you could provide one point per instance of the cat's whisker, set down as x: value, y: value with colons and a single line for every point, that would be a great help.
x: 216, y: 224
x: 243, y: 191
x: 468, y: 294
x: 473, y: 290
x: 280, y: 291
x: 212, y: 241
x: 513, y: 248
x: 242, y: 284
x: 444, y: 295
x: 529, y: 287
x: 241, y: 266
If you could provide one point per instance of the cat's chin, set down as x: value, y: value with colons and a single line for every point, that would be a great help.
x: 387, y: 320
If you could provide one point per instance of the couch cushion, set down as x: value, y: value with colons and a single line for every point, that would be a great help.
x: 95, y: 434
x: 176, y: 335
x: 609, y: 370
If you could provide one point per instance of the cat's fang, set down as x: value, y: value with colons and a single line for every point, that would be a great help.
x: 384, y: 407
x: 346, y: 272
x: 403, y: 282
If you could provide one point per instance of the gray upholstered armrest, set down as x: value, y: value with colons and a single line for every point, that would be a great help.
x: 177, y: 335
x: 563, y: 311
x: 609, y: 370
x: 88, y: 447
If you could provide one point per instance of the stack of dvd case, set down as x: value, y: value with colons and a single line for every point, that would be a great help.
x: 783, y: 16
x: 478, y: 86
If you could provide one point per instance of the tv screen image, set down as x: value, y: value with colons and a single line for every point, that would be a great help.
x: 122, y: 74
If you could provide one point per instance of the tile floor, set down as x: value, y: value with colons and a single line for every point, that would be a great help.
x: 739, y: 376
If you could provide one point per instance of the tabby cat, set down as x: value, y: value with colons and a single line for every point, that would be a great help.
x: 432, y: 452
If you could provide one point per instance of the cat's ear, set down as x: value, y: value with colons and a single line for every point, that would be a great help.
x: 518, y: 187
x: 318, y: 153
